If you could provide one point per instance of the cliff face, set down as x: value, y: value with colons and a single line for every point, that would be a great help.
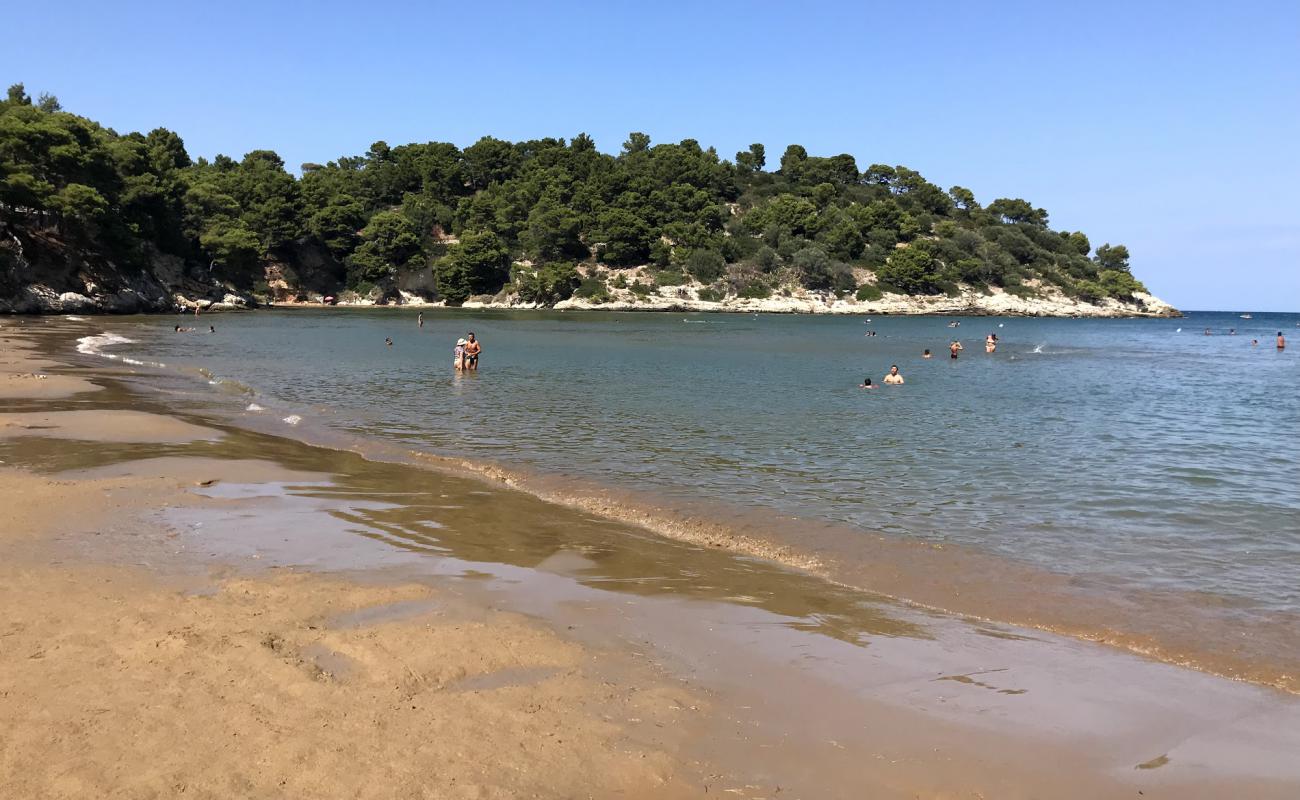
x: 42, y: 273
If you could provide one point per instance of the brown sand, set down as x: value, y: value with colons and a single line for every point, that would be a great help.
x: 104, y: 426
x: 41, y: 386
x: 23, y: 375
x: 114, y: 683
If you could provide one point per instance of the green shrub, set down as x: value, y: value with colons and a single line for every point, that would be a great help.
x: 1087, y: 291
x: 766, y: 259
x: 911, y: 269
x: 710, y: 294
x: 706, y: 265
x: 550, y: 283
x: 642, y: 289
x: 869, y: 292
x: 1120, y: 284
x: 669, y: 278
x: 755, y: 291
x: 592, y: 289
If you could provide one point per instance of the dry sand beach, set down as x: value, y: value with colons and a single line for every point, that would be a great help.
x: 194, y: 609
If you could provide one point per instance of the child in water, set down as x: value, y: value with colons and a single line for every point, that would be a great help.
x: 866, y: 384
x: 458, y: 355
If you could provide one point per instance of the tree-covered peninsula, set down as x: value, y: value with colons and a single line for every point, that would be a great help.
x: 131, y: 221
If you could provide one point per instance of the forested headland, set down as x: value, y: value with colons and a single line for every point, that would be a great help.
x: 131, y: 219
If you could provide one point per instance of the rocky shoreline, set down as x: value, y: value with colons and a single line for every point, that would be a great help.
x: 991, y: 303
x: 38, y: 299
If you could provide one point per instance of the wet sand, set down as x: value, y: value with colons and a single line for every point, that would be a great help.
x: 276, y: 608
x: 950, y: 578
x: 120, y: 681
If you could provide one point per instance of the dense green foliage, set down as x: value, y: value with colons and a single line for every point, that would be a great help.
x: 462, y: 217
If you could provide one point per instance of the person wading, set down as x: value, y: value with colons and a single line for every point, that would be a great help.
x: 472, y: 349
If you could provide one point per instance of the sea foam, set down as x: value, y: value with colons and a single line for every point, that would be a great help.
x: 94, y: 345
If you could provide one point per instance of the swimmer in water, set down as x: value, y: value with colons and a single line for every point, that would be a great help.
x: 893, y: 378
x: 388, y: 340
x: 1281, y: 341
x: 1207, y: 332
x: 954, y: 348
x: 212, y: 329
x: 458, y: 355
x: 1254, y: 343
x: 926, y: 354
x: 991, y: 343
x: 419, y: 319
x: 866, y: 384
x: 472, y: 349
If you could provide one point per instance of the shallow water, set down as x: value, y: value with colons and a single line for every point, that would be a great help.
x: 1122, y: 450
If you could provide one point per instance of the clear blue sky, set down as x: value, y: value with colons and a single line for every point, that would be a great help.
x: 1170, y: 127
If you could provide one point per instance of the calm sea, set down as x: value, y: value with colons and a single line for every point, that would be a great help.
x: 1139, y: 452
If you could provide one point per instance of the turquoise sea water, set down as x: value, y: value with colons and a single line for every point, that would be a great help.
x: 1123, y: 450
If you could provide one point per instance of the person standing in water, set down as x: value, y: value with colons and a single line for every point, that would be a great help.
x: 866, y: 384
x: 991, y: 343
x: 926, y: 354
x: 954, y: 348
x: 1281, y: 341
x: 472, y: 349
x: 458, y: 355
x: 893, y: 378
x: 419, y: 319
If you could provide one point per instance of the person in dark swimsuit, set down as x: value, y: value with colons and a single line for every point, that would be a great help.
x: 954, y: 349
x: 472, y: 349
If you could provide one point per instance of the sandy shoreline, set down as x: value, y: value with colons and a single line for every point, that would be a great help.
x: 158, y: 595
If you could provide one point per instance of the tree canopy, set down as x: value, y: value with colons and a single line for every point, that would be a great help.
x: 463, y: 216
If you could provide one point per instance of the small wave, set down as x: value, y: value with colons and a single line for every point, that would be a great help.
x: 253, y: 407
x: 293, y: 419
x: 94, y: 345
x: 1038, y: 348
x: 75, y: 319
x: 229, y: 384
x: 137, y: 363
